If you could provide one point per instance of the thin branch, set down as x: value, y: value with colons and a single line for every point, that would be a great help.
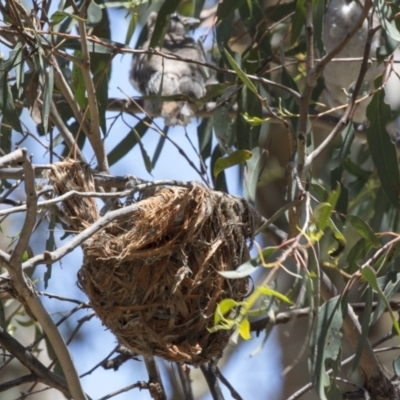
x: 156, y: 388
x: 210, y: 376
x: 94, y: 134
x: 184, y: 377
x: 26, y: 358
x: 140, y: 385
x: 24, y: 289
x: 235, y: 395
x: 65, y: 133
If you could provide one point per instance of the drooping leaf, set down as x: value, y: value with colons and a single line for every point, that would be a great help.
x: 244, y: 329
x: 232, y: 159
x: 369, y: 276
x: 94, y: 14
x: 298, y: 20
x: 47, y: 97
x: 50, y: 246
x: 240, y: 73
x: 382, y: 149
x: 223, y: 308
x: 357, y: 253
x: 382, y: 10
x: 227, y: 7
x: 249, y: 266
x: 364, y: 230
x: 128, y: 142
x: 253, y: 169
x: 220, y: 180
x: 326, y: 344
x: 267, y: 291
x: 365, y: 323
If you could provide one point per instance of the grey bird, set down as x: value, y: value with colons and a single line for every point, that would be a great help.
x: 156, y: 75
x: 340, y: 77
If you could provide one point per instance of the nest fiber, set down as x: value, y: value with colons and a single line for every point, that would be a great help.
x: 152, y: 277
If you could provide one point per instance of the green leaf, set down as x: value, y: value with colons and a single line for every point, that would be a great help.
x: 357, y: 253
x: 326, y: 344
x: 47, y: 97
x: 7, y: 107
x: 298, y: 20
x: 220, y: 180
x: 234, y: 158
x: 267, y: 291
x: 252, y: 171
x: 364, y: 230
x: 365, y: 323
x: 249, y: 266
x: 396, y: 366
x: 382, y: 9
x: 242, y: 76
x: 204, y: 135
x: 78, y: 83
x: 128, y: 142
x: 382, y: 149
x: 159, y: 147
x: 146, y: 158
x: 244, y: 329
x: 94, y: 14
x: 369, y: 276
x: 254, y: 121
x: 50, y: 246
x: 223, y: 307
x: 226, y: 7
x: 58, y: 17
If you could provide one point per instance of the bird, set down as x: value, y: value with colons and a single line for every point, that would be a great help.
x: 154, y: 75
x: 340, y: 77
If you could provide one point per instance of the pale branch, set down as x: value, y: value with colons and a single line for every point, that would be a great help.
x: 66, y: 91
x: 66, y: 134
x: 94, y: 134
x: 156, y: 388
x: 20, y: 381
x: 141, y: 385
x: 283, y: 317
x: 184, y: 377
x: 39, y: 371
x: 24, y: 289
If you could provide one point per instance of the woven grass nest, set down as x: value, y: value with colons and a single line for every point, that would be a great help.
x: 152, y: 277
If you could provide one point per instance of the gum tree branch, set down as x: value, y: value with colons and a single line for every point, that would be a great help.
x: 23, y: 287
x: 94, y: 134
x: 39, y: 371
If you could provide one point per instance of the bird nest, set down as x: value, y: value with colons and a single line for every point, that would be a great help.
x: 153, y: 277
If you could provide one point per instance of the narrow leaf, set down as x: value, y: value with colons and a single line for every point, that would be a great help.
x: 364, y: 230
x: 382, y: 149
x: 234, y: 158
x: 241, y: 74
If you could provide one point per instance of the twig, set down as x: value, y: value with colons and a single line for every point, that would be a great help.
x: 24, y: 289
x: 140, y: 385
x: 235, y: 395
x: 94, y: 134
x: 26, y: 358
x: 156, y: 388
x: 210, y: 376
x: 184, y: 377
